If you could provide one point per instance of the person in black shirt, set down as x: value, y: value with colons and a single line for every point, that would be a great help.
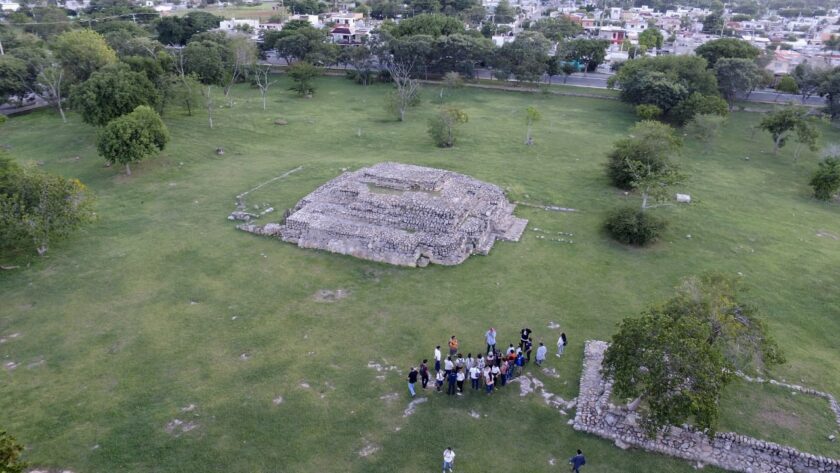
x: 424, y: 373
x: 523, y: 337
x: 529, y: 344
x: 452, y: 379
x: 412, y: 378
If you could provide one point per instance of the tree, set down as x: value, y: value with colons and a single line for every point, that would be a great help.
x: 651, y: 38
x: 362, y: 60
x: 829, y: 87
x: 726, y: 48
x: 787, y: 85
x: 556, y: 29
x: 184, y: 91
x: 132, y: 137
x: 303, y: 73
x: 667, y: 363
x: 782, y: 123
x: 451, y: 81
x: 174, y: 30
x: 208, y: 60
x: 262, y: 77
x: 525, y: 57
x: 10, y: 451
x: 443, y: 126
x: 112, y: 92
x: 83, y: 52
x: 434, y: 25
x: 459, y: 53
x: 40, y: 208
x: 13, y: 74
x: 504, y: 13
x: 807, y: 80
x: 243, y: 54
x: 642, y: 162
x: 406, y: 92
x: 50, y: 80
x: 567, y: 69
x: 698, y: 104
x: 832, y: 43
x: 532, y: 115
x: 705, y: 127
x: 589, y: 52
x: 736, y: 76
x: 713, y: 24
x: 826, y: 180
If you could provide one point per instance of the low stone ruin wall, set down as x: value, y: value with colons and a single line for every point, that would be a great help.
x: 730, y: 451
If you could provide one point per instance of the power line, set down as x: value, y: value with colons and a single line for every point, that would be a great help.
x: 85, y: 20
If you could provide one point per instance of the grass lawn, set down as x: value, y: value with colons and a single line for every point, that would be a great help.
x: 162, y: 304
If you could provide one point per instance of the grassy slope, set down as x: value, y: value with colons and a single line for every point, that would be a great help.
x: 110, y: 310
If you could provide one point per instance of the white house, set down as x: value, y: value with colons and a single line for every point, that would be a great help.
x: 9, y: 6
x: 234, y: 24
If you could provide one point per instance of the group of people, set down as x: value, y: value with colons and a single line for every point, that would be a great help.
x: 497, y: 368
x: 576, y: 461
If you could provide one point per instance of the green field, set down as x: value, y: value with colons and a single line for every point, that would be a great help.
x: 161, y: 304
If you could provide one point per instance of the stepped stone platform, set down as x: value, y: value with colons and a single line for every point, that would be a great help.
x: 400, y: 214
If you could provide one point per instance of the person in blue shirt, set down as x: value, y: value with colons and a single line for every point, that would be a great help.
x: 577, y: 461
x: 490, y: 337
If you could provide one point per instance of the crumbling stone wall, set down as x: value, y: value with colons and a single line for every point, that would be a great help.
x: 596, y: 415
x: 400, y: 214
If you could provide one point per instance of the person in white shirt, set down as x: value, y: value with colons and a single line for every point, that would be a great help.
x: 437, y: 358
x: 448, y: 365
x: 561, y: 343
x: 541, y: 351
x: 439, y: 380
x: 448, y: 459
x: 459, y: 378
x: 475, y: 375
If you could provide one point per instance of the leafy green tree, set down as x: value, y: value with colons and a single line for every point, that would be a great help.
x: 726, y: 48
x: 112, y: 92
x: 532, y: 115
x: 829, y: 87
x: 556, y: 29
x: 651, y: 38
x: 303, y: 74
x: 667, y: 363
x: 832, y: 43
x: 787, y: 84
x: 705, y: 127
x: 459, y: 53
x: 208, y: 60
x: 443, y: 127
x: 82, y: 52
x: 48, y: 22
x: 713, y: 24
x: 13, y: 75
x: 807, y: 80
x: 174, y: 30
x: 40, y: 208
x: 10, y: 451
x: 736, y: 76
x: 132, y: 137
x: 433, y: 25
x: 632, y: 226
x: 698, y: 104
x: 648, y: 111
x: 504, y: 13
x: 525, y: 57
x: 826, y: 180
x: 589, y: 52
x: 184, y: 91
x: 781, y: 124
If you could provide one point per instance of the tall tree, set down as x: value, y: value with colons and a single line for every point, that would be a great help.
x: 303, y: 74
x: 781, y: 124
x: 726, y: 48
x: 829, y: 87
x: 406, y: 88
x: 83, y: 52
x: 736, y: 76
x: 262, y: 77
x: 132, y: 137
x: 589, y: 52
x: 651, y: 38
x: 504, y: 13
x: 807, y: 80
x: 556, y: 29
x: 112, y: 92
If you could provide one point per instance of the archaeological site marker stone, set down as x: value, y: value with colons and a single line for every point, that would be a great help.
x: 400, y: 214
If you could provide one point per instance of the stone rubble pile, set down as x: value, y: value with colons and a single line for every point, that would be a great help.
x: 596, y: 415
x: 400, y: 214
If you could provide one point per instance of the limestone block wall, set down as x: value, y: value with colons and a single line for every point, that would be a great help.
x: 731, y: 451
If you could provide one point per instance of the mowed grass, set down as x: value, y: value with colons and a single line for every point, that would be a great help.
x: 150, y: 309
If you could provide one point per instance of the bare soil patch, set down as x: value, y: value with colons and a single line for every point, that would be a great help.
x: 827, y: 234
x: 330, y: 295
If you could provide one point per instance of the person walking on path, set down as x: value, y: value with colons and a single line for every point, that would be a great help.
x: 561, y: 344
x: 437, y: 358
x: 448, y: 459
x: 523, y: 336
x: 439, y: 380
x: 541, y: 351
x: 424, y: 373
x: 412, y: 378
x: 577, y: 461
x: 490, y: 338
x: 453, y: 346
x: 460, y: 377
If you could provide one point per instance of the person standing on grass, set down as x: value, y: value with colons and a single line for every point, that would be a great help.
x: 412, y: 378
x: 541, y: 351
x: 469, y: 362
x: 561, y: 344
x: 491, y: 360
x: 448, y: 366
x: 488, y: 381
x: 424, y: 373
x: 459, y: 362
x: 439, y: 380
x: 437, y: 358
x: 448, y: 459
x: 529, y: 344
x: 510, y: 350
x: 453, y: 346
x: 475, y: 375
x: 452, y: 382
x: 520, y: 362
x: 523, y: 336
x: 490, y: 338
x: 495, y: 371
x: 504, y: 370
x: 459, y: 378
x: 577, y: 461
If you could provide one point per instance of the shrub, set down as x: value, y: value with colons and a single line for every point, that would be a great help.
x: 705, y: 127
x: 443, y: 126
x: 648, y: 112
x: 650, y: 143
x: 787, y: 84
x: 632, y: 226
x: 826, y: 181
x: 697, y: 104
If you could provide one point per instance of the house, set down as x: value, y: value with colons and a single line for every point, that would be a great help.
x: 614, y: 34
x: 9, y: 6
x: 784, y: 62
x: 312, y: 19
x: 233, y: 25
x: 634, y: 27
